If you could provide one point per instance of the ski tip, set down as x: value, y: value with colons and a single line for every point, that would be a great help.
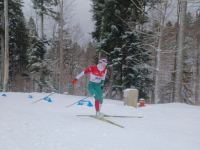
x: 133, y: 117
x: 120, y: 126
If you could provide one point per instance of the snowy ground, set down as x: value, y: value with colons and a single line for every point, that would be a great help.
x: 51, y: 126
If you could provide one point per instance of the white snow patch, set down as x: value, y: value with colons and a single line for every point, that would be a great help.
x: 50, y: 126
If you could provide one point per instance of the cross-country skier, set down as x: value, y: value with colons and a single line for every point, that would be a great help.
x: 95, y: 85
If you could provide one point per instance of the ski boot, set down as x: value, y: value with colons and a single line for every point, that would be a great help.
x: 99, y: 115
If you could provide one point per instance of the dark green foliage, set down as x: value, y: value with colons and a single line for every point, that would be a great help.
x: 18, y: 37
x: 169, y: 24
x: 135, y: 67
x: 45, y: 7
x: 120, y: 44
x: 32, y: 27
x: 189, y: 20
x: 37, y: 60
x: 97, y: 7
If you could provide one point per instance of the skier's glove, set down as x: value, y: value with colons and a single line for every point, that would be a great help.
x: 102, y: 87
x: 74, y: 81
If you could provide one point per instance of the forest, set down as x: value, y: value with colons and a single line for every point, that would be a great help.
x: 150, y: 45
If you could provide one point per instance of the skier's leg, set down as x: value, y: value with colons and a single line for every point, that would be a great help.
x: 92, y: 91
x: 100, y: 93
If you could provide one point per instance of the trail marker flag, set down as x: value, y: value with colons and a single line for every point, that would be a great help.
x: 30, y: 96
x: 47, y: 99
x: 83, y: 102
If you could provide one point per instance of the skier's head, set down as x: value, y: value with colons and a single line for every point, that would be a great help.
x: 103, y: 62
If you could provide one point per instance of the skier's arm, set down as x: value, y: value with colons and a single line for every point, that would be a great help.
x: 80, y: 75
x: 88, y: 70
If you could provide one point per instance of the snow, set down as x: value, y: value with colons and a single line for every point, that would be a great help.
x: 50, y: 126
x: 128, y: 90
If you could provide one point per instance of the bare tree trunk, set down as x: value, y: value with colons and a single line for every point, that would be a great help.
x: 42, y: 21
x: 175, y: 54
x: 36, y: 20
x: 33, y: 82
x: 198, y: 64
x: 197, y: 76
x: 2, y: 49
x: 42, y: 36
x: 53, y: 55
x: 40, y: 76
x: 110, y: 85
x: 174, y: 76
x: 153, y: 92
x: 53, y: 45
x: 86, y: 83
x: 6, y: 73
x: 157, y: 85
x: 13, y: 78
x: 57, y: 74
x: 99, y: 55
x: 181, y: 41
x: 61, y: 44
x: 119, y: 90
x: 100, y: 38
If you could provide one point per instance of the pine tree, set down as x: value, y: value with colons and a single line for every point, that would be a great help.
x: 18, y: 39
x: 45, y: 8
x: 119, y: 43
x: 197, y: 86
x: 72, y: 60
x: 97, y: 8
x: 32, y: 27
x: 6, y: 65
x: 37, y: 61
x: 189, y: 20
x: 2, y: 30
x: 136, y: 60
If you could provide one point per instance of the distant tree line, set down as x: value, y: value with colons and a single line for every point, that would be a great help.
x: 151, y: 45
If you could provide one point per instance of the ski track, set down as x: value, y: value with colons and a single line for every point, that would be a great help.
x: 51, y: 126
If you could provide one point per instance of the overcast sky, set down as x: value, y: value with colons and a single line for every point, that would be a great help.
x: 85, y: 17
x: 82, y: 11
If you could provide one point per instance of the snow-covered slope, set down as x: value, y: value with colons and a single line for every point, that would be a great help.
x: 51, y: 126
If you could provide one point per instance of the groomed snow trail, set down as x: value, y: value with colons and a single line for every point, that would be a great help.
x: 50, y: 126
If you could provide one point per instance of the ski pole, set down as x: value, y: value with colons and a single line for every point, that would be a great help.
x: 77, y: 102
x: 52, y: 93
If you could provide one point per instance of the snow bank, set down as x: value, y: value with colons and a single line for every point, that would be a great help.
x: 51, y: 126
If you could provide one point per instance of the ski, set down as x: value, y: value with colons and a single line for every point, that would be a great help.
x: 105, y: 120
x: 116, y: 116
x: 124, y: 116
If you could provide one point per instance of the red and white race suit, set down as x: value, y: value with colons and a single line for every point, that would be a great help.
x: 97, y: 73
